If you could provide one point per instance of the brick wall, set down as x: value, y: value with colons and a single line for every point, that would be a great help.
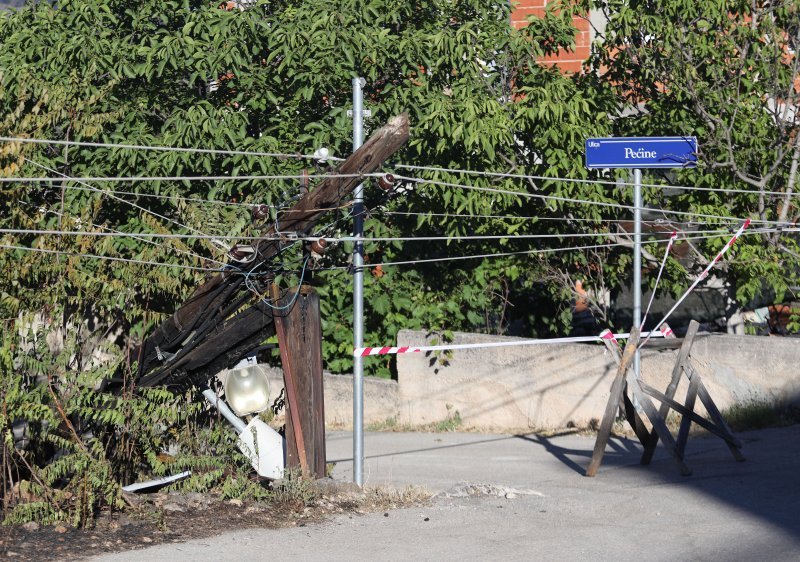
x: 567, y: 61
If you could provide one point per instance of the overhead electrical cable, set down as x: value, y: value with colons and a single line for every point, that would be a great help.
x: 606, y: 204
x: 114, y: 232
x: 654, y: 222
x: 126, y: 202
x: 231, y: 268
x: 136, y: 179
x: 108, y: 258
x: 220, y: 151
x: 339, y: 239
x: 532, y: 252
x: 609, y: 183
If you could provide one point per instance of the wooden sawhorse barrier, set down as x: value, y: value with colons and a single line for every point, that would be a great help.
x: 628, y: 392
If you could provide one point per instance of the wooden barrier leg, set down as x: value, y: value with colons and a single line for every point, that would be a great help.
x: 617, y: 389
x: 677, y: 371
x: 626, y: 407
x: 659, y: 426
x: 686, y: 422
x: 734, y: 445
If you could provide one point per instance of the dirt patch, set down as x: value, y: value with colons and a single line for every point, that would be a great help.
x: 173, y: 517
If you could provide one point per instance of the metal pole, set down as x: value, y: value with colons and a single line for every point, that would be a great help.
x: 637, y: 261
x: 358, y: 292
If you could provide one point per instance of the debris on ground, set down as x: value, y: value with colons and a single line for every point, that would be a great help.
x: 466, y: 489
x: 165, y: 517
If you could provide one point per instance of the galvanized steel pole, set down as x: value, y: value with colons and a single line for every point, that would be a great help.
x: 358, y: 291
x: 637, y: 261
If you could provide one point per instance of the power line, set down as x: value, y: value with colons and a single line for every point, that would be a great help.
x: 606, y: 204
x: 337, y: 239
x: 153, y: 213
x: 162, y: 197
x: 134, y: 179
x: 232, y: 269
x: 131, y: 235
x: 108, y: 258
x: 610, y: 183
x: 188, y: 199
x: 169, y: 148
x: 534, y: 251
x: 654, y: 222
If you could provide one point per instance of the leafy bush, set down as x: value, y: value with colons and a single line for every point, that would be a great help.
x: 76, y: 445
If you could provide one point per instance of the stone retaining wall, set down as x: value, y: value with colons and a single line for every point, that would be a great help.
x: 550, y: 386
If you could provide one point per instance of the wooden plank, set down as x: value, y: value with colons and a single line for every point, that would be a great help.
x: 633, y: 418
x: 677, y: 372
x: 626, y: 406
x: 208, y: 303
x: 304, y: 346
x: 734, y: 445
x: 617, y: 388
x: 688, y: 413
x: 686, y: 421
x: 659, y: 426
x: 292, y: 402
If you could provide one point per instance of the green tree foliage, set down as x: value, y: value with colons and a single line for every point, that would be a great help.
x: 276, y: 78
x: 726, y: 72
x: 139, y: 73
x: 273, y: 78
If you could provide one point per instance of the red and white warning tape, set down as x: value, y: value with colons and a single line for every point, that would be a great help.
x: 367, y: 351
x: 661, y: 329
x: 658, y: 277
x: 700, y: 277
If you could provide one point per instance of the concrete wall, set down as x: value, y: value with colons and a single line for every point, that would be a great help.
x: 549, y: 386
x: 380, y: 398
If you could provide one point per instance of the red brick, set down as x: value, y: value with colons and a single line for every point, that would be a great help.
x: 521, y: 14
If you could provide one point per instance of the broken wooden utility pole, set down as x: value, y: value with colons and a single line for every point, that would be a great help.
x: 300, y: 341
x: 222, y: 321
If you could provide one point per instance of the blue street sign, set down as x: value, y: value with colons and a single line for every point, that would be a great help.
x: 641, y: 152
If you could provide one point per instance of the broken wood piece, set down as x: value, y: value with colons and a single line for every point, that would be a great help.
x: 686, y: 421
x: 292, y: 405
x: 303, y: 344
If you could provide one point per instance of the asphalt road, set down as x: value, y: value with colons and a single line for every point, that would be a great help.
x: 524, y: 497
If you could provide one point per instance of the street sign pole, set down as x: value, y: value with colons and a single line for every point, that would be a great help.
x: 637, y: 262
x: 636, y: 153
x: 358, y: 292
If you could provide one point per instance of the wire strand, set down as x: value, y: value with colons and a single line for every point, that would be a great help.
x: 137, y: 236
x: 134, y: 179
x: 536, y: 251
x: 609, y: 183
x: 655, y: 222
x: 108, y: 258
x: 121, y: 200
x: 574, y: 200
x: 169, y: 148
x: 339, y: 239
